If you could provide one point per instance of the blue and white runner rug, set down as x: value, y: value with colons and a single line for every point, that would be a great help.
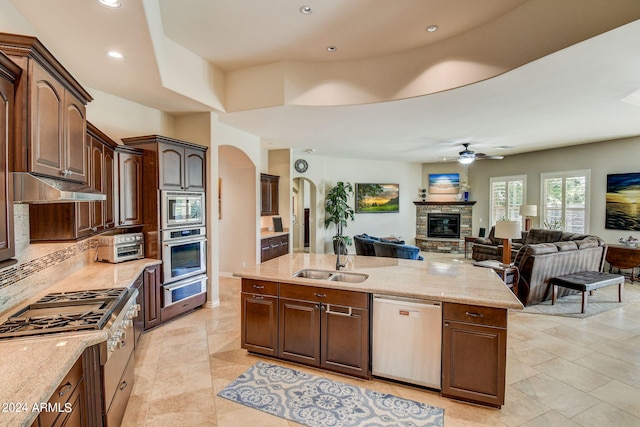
x: 315, y: 401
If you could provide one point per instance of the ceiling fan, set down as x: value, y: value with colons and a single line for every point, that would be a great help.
x: 467, y: 156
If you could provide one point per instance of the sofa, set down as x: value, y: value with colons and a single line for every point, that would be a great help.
x: 491, y: 247
x: 539, y: 262
x: 375, y: 246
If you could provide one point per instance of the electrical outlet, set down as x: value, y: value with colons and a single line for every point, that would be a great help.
x: 244, y: 263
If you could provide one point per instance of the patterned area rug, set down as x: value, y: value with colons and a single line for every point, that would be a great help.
x: 603, y: 299
x: 315, y: 401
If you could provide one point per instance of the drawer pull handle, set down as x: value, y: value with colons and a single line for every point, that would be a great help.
x: 258, y: 297
x: 320, y: 295
x: 123, y: 385
x: 480, y: 315
x: 258, y: 287
x: 349, y: 314
x: 64, y: 389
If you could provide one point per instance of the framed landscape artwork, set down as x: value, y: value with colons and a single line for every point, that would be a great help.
x: 623, y: 202
x: 374, y: 198
x: 444, y: 183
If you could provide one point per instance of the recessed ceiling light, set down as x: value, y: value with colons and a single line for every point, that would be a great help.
x: 504, y: 147
x: 306, y: 10
x: 432, y: 28
x: 309, y: 150
x: 332, y: 48
x: 114, y: 4
x: 115, y: 55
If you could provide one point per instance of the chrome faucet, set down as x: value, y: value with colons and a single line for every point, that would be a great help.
x: 339, y: 249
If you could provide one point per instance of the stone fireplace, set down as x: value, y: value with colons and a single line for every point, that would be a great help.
x: 442, y: 226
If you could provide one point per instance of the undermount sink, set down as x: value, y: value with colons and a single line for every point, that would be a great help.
x: 334, y: 276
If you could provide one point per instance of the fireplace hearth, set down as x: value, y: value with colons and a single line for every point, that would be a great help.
x: 443, y: 225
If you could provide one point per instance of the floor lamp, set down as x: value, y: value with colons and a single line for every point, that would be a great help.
x: 507, y: 230
x: 527, y: 211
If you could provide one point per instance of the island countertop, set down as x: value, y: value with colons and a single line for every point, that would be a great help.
x: 447, y: 281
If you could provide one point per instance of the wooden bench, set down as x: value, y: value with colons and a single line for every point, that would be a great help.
x: 587, y: 281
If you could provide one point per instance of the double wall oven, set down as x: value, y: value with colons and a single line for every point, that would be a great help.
x: 184, y: 246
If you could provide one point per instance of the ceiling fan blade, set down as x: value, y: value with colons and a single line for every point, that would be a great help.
x: 485, y: 157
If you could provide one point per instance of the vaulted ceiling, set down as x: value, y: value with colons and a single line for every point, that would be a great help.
x: 524, y: 74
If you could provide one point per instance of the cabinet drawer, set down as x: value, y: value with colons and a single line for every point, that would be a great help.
x: 475, y: 314
x: 331, y: 296
x: 187, y: 304
x: 121, y: 397
x: 62, y: 393
x: 259, y: 287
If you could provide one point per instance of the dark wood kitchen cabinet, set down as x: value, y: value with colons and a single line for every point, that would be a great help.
x: 68, y: 403
x: 180, y: 165
x: 259, y: 315
x: 72, y: 221
x: 152, y: 296
x: 128, y: 203
x: 171, y: 164
x: 9, y: 74
x: 474, y: 351
x: 50, y: 114
x: 273, y: 247
x: 269, y: 194
x: 326, y: 328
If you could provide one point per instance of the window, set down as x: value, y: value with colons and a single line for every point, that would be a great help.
x: 507, y: 194
x: 565, y: 200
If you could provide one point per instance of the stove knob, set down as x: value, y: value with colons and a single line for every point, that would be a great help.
x: 111, y: 345
x: 127, y: 323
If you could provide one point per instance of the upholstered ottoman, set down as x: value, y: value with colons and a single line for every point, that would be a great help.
x: 586, y: 281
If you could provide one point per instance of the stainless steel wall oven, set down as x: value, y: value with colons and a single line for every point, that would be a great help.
x: 184, y: 253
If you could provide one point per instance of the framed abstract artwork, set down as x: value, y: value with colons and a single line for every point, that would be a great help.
x: 623, y: 202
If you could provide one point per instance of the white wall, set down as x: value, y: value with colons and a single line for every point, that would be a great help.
x: 325, y: 172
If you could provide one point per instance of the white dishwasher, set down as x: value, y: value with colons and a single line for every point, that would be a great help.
x: 407, y: 340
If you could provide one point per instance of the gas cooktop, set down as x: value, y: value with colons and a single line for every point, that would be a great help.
x: 66, y: 312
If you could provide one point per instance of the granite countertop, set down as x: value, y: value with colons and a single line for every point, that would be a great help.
x: 32, y: 368
x: 267, y: 234
x: 453, y: 281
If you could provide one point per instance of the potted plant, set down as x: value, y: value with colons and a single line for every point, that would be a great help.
x: 338, y: 212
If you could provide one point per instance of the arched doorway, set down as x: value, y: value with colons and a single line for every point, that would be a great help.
x: 304, y: 214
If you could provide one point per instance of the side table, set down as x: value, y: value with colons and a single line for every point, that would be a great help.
x: 467, y: 240
x: 623, y: 257
x: 509, y: 274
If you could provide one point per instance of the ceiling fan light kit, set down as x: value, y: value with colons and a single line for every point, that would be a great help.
x: 467, y: 156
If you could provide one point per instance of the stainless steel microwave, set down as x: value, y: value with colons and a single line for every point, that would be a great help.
x: 182, y: 209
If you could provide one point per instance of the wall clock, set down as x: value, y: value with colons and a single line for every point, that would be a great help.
x: 301, y: 165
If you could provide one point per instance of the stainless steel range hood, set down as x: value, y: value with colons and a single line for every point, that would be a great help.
x: 28, y: 188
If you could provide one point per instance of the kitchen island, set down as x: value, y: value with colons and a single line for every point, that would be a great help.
x: 324, y: 321
x: 32, y: 368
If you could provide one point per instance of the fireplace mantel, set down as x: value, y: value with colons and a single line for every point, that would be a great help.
x: 449, y: 202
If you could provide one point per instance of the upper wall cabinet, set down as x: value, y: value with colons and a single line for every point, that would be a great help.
x: 50, y: 114
x: 129, y: 201
x: 181, y: 165
x: 269, y: 194
x: 9, y: 73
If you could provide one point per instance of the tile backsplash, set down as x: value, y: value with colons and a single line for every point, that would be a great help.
x: 38, y: 263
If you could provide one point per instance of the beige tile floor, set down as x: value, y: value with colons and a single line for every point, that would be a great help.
x: 560, y: 372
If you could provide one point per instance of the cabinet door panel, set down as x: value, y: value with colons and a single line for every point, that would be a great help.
x: 299, y: 338
x: 130, y: 196
x: 108, y: 187
x: 260, y: 323
x: 171, y: 167
x: 7, y: 249
x: 473, y: 362
x: 194, y: 170
x: 75, y: 131
x: 345, y: 340
x: 152, y: 296
x: 47, y: 98
x: 96, y: 181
